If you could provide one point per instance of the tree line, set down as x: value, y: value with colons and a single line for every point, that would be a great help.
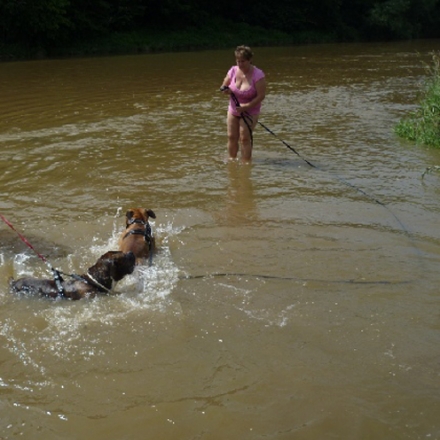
x: 54, y: 23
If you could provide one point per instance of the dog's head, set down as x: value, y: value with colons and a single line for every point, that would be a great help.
x: 115, y: 264
x: 134, y: 215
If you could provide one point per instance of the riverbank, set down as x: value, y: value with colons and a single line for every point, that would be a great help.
x: 423, y: 125
x: 215, y: 35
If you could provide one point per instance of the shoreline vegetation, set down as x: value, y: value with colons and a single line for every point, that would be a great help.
x: 214, y: 36
x: 39, y: 29
x: 422, y: 126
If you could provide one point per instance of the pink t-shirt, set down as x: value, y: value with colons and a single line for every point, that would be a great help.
x: 244, y: 96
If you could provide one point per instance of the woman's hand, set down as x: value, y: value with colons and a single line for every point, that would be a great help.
x: 243, y: 108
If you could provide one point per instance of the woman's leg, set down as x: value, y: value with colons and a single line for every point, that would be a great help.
x: 246, y: 136
x: 233, y: 125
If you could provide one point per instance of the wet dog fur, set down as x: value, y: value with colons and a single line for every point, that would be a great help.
x: 111, y: 267
x: 137, y: 237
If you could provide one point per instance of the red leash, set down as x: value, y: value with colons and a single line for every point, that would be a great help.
x: 56, y: 274
x: 23, y: 238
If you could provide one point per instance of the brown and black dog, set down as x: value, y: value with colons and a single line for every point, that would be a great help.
x: 110, y: 267
x: 137, y: 237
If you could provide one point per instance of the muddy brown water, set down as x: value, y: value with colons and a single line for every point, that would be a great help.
x: 285, y: 302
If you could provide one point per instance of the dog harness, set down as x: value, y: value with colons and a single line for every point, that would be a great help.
x: 96, y: 283
x: 146, y: 233
x: 89, y: 280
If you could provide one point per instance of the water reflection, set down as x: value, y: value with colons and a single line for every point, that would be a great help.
x: 240, y: 202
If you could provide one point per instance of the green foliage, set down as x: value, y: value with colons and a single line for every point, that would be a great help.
x: 402, y: 18
x: 423, y: 125
x: 53, y: 27
x: 391, y: 15
x: 35, y: 23
x: 214, y: 34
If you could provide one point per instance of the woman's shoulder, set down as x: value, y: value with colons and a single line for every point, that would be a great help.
x: 258, y: 74
x: 232, y: 71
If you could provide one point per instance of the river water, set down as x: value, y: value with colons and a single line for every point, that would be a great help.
x: 286, y: 301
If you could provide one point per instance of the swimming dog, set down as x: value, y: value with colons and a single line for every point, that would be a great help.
x: 99, y: 279
x: 137, y: 236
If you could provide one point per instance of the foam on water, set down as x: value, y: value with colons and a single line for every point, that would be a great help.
x: 56, y: 328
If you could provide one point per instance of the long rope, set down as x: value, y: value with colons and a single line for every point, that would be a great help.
x: 342, y: 180
x: 246, y: 115
x: 56, y: 274
x: 274, y: 277
x: 288, y: 146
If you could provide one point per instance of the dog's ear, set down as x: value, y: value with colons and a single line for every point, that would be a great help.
x: 150, y: 213
x: 129, y: 214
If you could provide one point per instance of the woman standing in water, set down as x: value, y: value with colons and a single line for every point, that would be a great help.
x: 246, y: 86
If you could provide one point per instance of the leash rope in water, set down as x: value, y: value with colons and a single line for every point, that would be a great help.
x: 288, y: 146
x: 273, y: 277
x: 345, y: 182
x: 340, y: 179
x: 56, y: 273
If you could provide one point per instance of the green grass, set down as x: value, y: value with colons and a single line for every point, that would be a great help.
x: 423, y: 125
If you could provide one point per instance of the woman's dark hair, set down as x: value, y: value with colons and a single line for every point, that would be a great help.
x: 244, y: 52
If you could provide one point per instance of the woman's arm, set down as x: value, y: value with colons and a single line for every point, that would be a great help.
x: 226, y: 81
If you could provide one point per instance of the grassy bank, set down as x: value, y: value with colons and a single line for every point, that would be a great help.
x: 423, y: 125
x: 213, y: 35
